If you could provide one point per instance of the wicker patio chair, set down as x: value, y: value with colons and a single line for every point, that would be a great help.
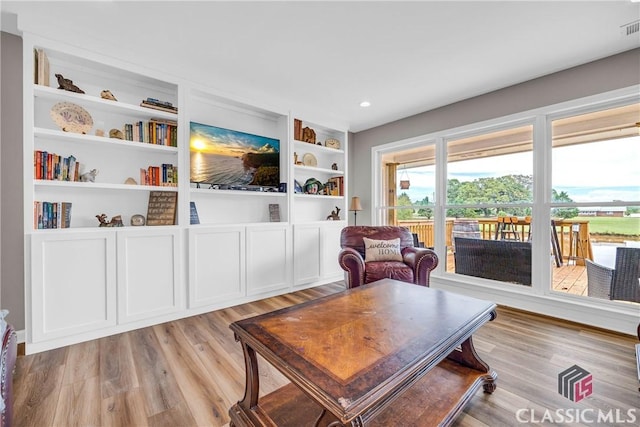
x: 625, y: 285
x: 598, y: 280
x: 619, y: 283
x: 503, y: 260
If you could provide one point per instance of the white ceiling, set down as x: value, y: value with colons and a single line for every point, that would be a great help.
x: 403, y: 57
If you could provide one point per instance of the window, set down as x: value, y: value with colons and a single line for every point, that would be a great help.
x: 409, y: 190
x: 489, y: 198
x: 595, y: 197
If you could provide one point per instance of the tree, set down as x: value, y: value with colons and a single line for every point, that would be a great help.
x: 565, y: 213
x: 404, y: 213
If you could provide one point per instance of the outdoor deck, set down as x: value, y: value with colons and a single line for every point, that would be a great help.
x: 571, y: 279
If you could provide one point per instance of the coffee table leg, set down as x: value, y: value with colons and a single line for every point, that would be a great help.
x: 327, y: 419
x: 468, y: 357
x: 252, y: 379
x: 247, y: 412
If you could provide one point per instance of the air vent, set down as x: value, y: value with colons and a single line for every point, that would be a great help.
x: 631, y: 28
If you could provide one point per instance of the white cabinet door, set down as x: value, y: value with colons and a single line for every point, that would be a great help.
x: 307, y: 255
x: 73, y: 283
x: 148, y: 273
x: 268, y: 258
x: 330, y: 250
x: 216, y: 264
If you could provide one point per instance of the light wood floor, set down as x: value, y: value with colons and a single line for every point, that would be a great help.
x: 189, y: 372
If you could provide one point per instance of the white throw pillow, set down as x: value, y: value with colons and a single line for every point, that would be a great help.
x: 382, y: 250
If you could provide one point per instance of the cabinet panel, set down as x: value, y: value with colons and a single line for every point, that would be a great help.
x: 307, y: 255
x: 268, y: 249
x: 73, y: 283
x: 331, y: 249
x: 216, y: 265
x: 148, y: 273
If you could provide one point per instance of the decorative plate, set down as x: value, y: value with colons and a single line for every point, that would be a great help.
x: 309, y: 160
x: 71, y: 117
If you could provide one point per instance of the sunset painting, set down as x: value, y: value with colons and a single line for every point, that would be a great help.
x: 226, y: 157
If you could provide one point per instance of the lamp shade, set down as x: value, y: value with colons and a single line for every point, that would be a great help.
x: 355, y: 204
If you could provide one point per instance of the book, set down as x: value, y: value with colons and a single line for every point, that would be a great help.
x: 274, y: 212
x: 193, y: 213
x: 42, y: 68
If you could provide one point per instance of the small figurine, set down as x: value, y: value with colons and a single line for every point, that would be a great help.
x: 309, y: 135
x: 313, y: 186
x: 116, y: 221
x: 116, y: 133
x: 67, y: 84
x: 334, y: 166
x: 89, y: 176
x: 106, y: 94
x: 335, y: 215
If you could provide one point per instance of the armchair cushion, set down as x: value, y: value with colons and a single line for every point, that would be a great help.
x: 397, y: 270
x: 381, y: 250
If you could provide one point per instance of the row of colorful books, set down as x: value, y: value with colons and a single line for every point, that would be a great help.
x: 163, y: 176
x: 335, y: 186
x: 155, y: 131
x: 51, y: 215
x: 51, y: 166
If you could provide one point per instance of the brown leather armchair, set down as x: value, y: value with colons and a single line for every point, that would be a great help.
x: 415, y: 267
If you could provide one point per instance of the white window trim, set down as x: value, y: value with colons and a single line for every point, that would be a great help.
x: 539, y: 298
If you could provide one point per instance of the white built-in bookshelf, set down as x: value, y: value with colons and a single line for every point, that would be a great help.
x: 84, y: 281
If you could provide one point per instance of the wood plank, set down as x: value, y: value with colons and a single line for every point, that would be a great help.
x: 155, y: 374
x: 82, y: 362
x: 125, y: 409
x: 201, y: 393
x: 117, y: 368
x: 79, y: 404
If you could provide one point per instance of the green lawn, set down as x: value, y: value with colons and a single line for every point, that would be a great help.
x: 625, y: 226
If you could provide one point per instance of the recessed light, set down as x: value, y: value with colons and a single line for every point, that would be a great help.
x: 365, y: 104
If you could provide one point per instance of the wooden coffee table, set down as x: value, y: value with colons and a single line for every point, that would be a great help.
x: 388, y: 353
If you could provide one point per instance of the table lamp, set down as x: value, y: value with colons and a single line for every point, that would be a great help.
x: 355, y: 207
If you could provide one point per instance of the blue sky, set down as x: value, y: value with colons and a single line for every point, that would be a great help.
x: 596, y: 172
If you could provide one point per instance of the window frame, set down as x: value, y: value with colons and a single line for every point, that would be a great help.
x: 540, y: 297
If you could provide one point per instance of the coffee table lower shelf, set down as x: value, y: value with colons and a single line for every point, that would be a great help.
x: 434, y: 400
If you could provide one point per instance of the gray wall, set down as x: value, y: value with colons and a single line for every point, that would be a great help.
x: 615, y: 72
x: 11, y: 188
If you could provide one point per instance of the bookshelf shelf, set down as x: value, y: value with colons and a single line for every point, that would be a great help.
x: 60, y: 136
x: 319, y: 170
x: 302, y: 146
x: 101, y: 186
x: 237, y: 193
x: 58, y: 95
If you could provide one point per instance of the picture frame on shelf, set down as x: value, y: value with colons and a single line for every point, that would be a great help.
x: 161, y: 209
x: 274, y: 212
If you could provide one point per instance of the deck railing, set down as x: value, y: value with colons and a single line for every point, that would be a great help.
x: 573, y: 235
